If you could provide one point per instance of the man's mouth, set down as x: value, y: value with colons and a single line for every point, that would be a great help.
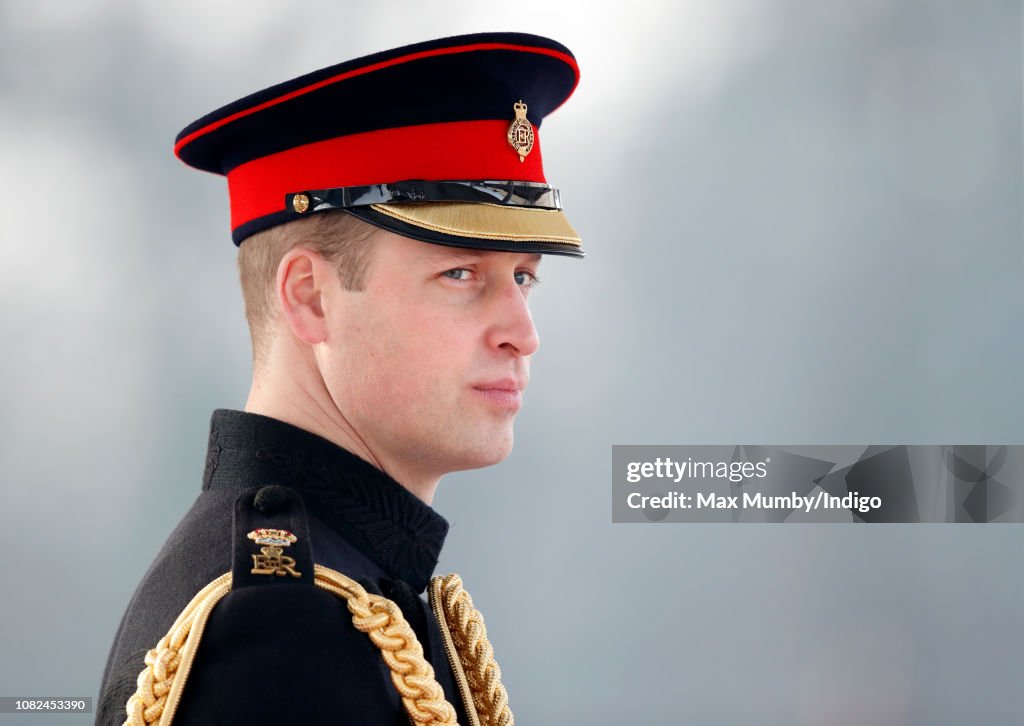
x: 506, y: 393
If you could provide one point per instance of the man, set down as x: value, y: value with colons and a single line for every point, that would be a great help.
x: 391, y: 213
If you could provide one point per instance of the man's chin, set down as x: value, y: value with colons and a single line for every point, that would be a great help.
x: 487, y: 453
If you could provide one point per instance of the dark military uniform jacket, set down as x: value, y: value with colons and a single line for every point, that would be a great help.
x: 272, y: 653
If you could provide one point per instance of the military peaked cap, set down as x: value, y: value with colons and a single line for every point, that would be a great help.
x: 436, y: 141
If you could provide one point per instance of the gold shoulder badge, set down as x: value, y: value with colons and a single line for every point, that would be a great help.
x: 520, y: 132
x: 272, y: 560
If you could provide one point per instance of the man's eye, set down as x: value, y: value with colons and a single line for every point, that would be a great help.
x: 526, y: 279
x: 459, y: 273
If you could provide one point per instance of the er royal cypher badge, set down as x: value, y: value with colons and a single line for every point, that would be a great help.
x: 272, y: 560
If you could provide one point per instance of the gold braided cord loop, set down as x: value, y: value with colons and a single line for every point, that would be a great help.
x: 160, y: 684
x: 158, y: 687
x: 382, y: 620
x: 475, y: 653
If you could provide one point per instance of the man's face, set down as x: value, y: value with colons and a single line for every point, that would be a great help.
x: 429, y: 361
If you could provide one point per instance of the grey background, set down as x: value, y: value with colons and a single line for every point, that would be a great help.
x: 821, y: 244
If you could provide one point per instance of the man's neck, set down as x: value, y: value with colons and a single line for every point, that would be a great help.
x: 311, y: 409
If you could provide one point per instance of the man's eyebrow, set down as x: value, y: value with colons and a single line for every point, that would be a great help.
x: 456, y: 255
x: 453, y: 255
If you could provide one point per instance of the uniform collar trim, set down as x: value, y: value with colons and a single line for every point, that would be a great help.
x: 363, y: 504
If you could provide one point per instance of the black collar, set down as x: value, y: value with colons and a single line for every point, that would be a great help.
x: 363, y: 504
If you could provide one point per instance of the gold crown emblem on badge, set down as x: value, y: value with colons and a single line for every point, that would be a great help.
x: 520, y: 132
x: 278, y: 537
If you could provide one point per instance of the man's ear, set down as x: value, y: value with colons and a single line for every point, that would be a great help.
x: 299, y: 288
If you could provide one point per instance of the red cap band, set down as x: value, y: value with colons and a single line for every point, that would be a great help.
x: 470, y: 150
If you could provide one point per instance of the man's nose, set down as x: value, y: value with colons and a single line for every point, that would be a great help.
x: 512, y: 327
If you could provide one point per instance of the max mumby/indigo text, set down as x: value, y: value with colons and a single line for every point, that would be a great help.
x: 675, y: 471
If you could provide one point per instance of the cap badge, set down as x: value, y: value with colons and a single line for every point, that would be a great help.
x: 271, y: 560
x: 520, y: 132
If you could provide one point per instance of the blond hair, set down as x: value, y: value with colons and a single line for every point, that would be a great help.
x: 341, y: 239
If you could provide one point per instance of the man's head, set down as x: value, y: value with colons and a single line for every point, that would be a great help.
x: 417, y: 353
x: 392, y: 211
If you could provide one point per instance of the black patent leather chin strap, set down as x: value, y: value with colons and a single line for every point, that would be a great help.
x: 508, y: 193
